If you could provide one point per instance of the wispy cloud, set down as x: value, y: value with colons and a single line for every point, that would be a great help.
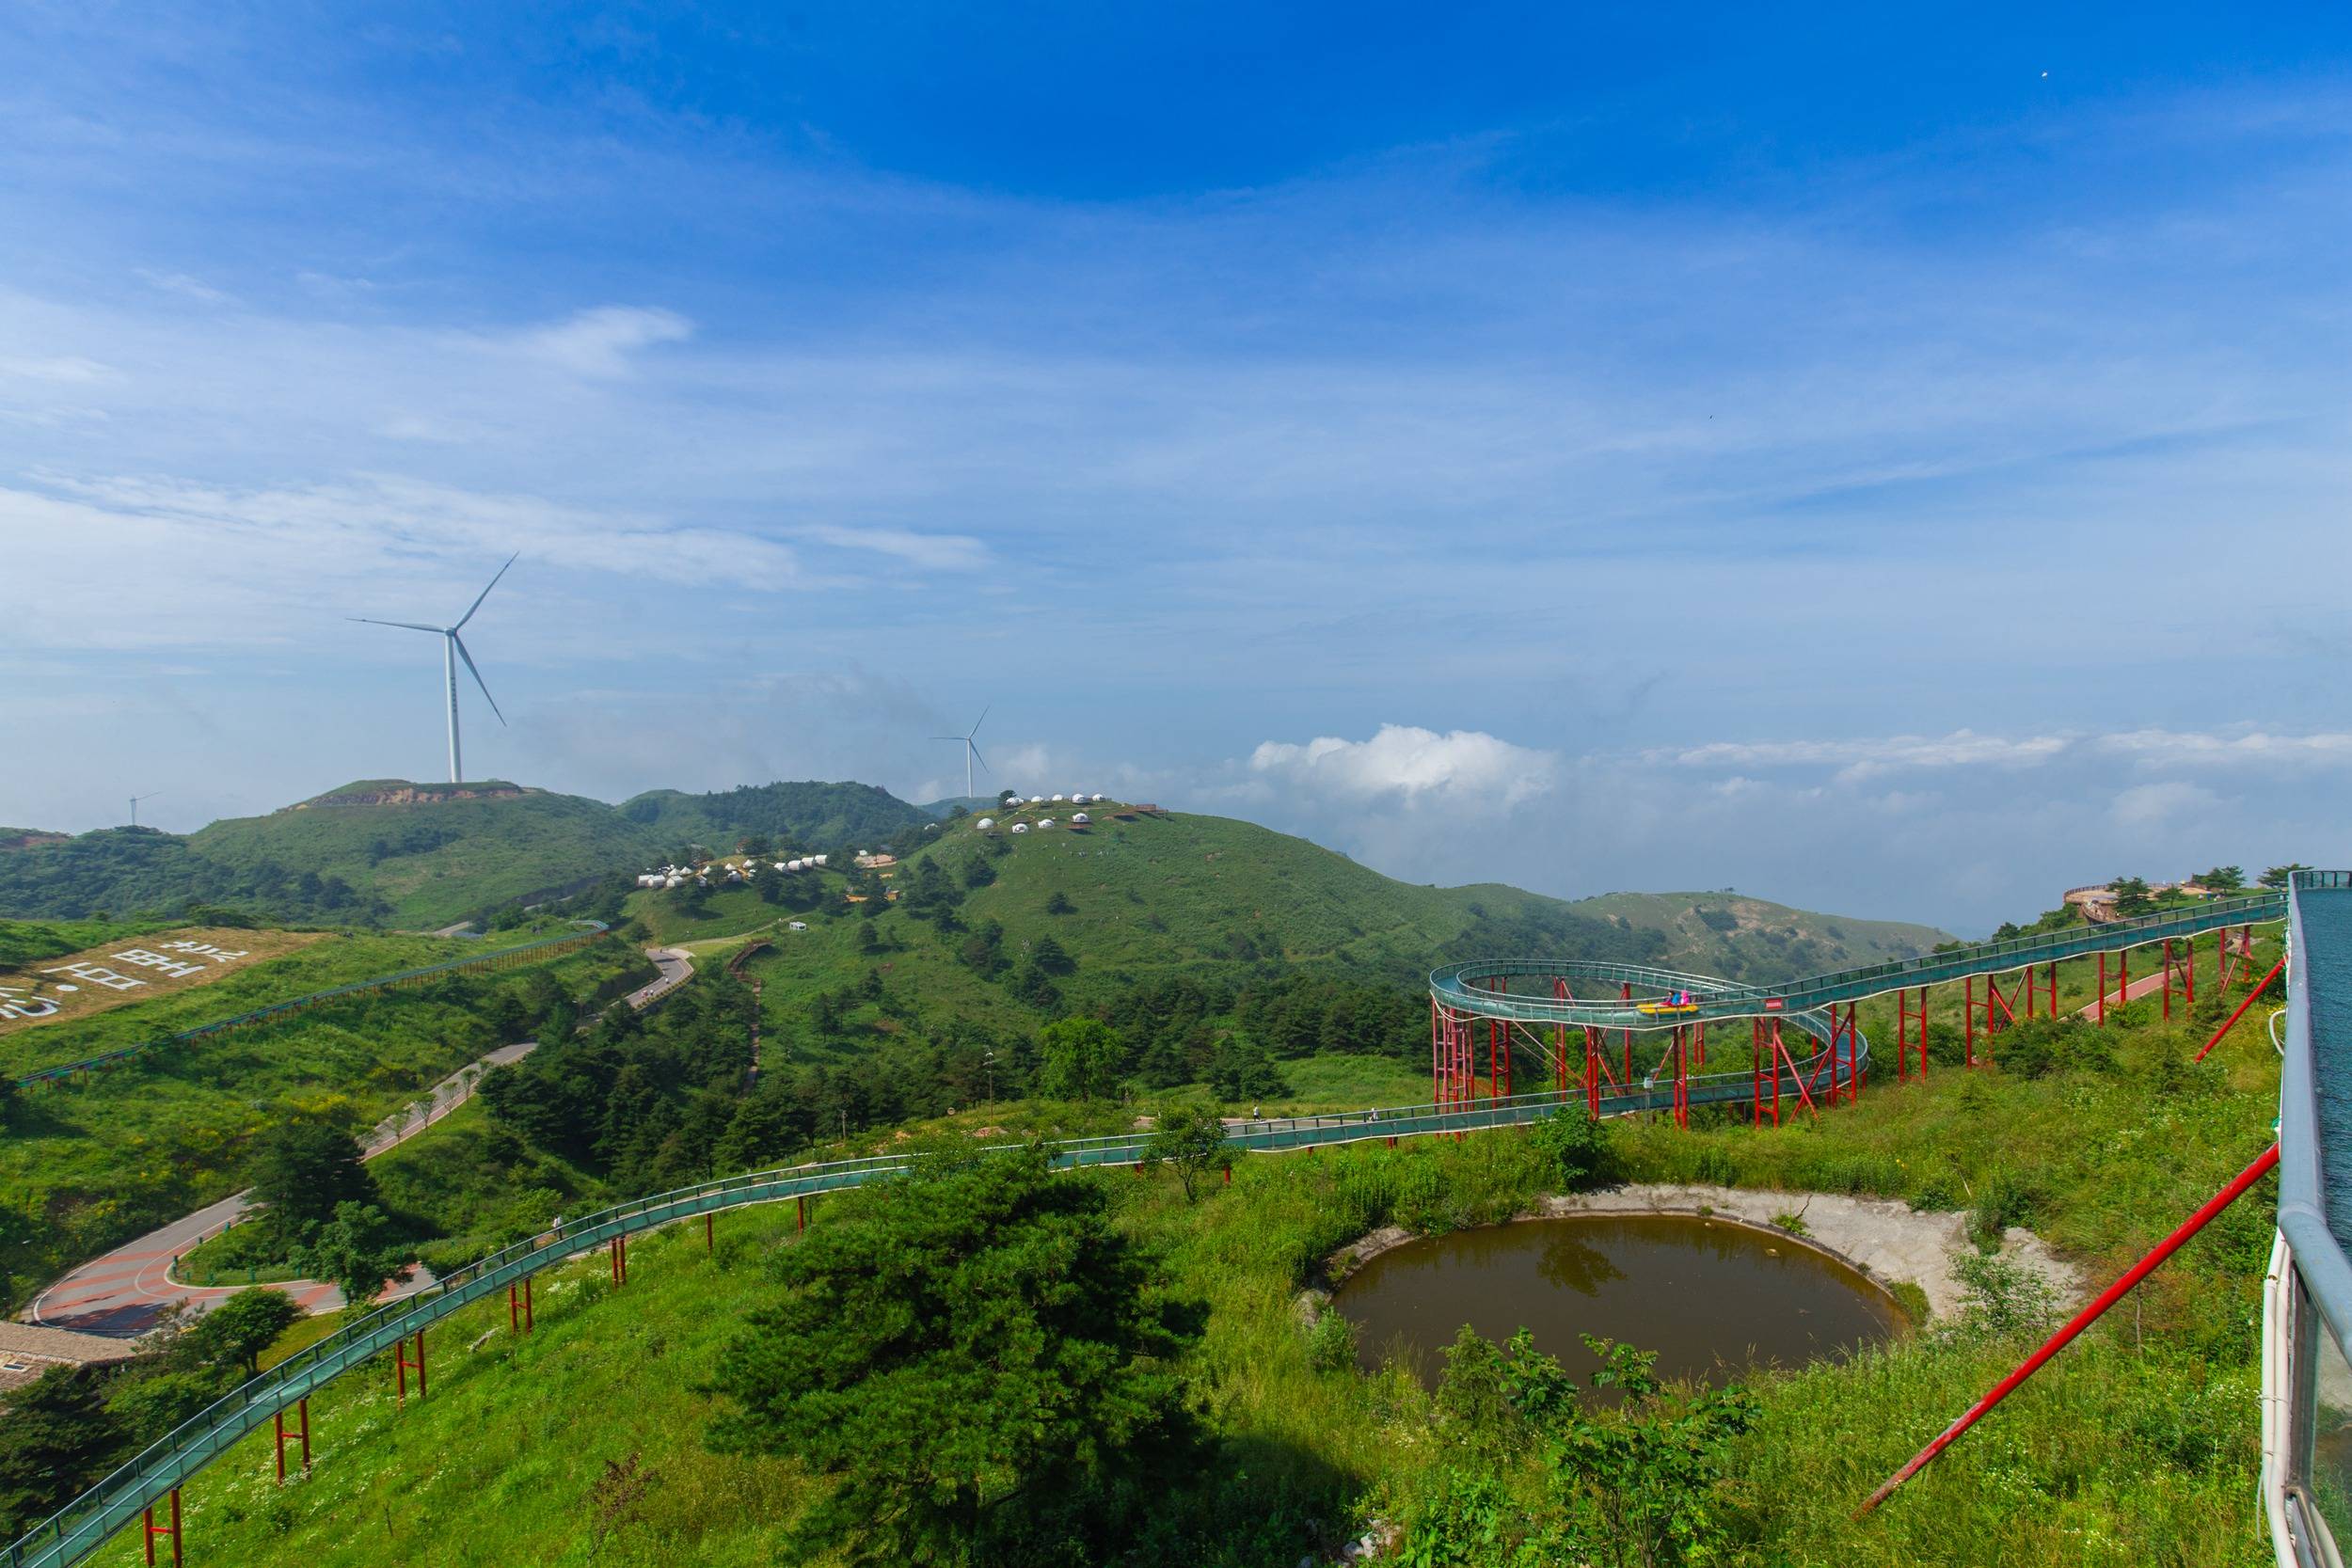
x: 605, y: 341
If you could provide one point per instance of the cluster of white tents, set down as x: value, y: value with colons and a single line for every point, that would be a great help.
x: 723, y: 871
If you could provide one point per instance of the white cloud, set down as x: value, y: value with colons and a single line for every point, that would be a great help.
x: 2146, y: 806
x: 185, y: 287
x: 600, y: 341
x: 943, y: 552
x: 1861, y: 758
x: 2251, y: 749
x: 1400, y: 760
x: 62, y: 367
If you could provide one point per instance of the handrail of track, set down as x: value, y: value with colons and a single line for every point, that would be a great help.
x: 86, y: 1523
x: 49, y: 1074
x: 1459, y: 986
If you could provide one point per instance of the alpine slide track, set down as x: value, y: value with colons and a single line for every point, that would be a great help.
x: 1623, y: 1038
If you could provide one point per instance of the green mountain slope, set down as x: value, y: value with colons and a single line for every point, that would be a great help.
x: 1169, y: 895
x: 435, y: 854
x: 843, y: 816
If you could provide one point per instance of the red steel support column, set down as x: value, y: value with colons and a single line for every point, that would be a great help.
x: 707, y: 1242
x: 2101, y: 1003
x: 620, y: 1260
x: 155, y: 1530
x: 528, y: 1325
x: 278, y: 1425
x: 801, y: 1204
x: 1968, y: 1001
x: 2081, y: 1321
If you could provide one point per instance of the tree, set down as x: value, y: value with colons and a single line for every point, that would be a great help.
x: 984, y: 1364
x: 1059, y: 904
x: 57, y: 1438
x: 2132, y: 895
x: 1051, y: 958
x: 306, y: 1171
x: 1240, y: 1070
x: 235, y: 1333
x: 2278, y: 876
x: 1078, y: 1059
x: 351, y: 1251
x: 1190, y: 1137
x: 2222, y: 879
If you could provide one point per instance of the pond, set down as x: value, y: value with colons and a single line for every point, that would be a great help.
x: 1710, y: 1297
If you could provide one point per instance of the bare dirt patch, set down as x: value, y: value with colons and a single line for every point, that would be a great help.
x: 135, y: 969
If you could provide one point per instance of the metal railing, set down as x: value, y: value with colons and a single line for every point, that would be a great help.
x: 1459, y: 986
x: 2306, y: 1316
x: 475, y: 961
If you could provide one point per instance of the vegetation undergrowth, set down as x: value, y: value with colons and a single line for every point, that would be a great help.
x: 587, y: 1441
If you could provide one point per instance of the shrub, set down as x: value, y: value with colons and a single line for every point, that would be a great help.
x: 1575, y: 1148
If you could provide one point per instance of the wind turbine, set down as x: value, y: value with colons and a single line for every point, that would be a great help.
x: 454, y: 649
x: 971, y: 749
x: 135, y: 805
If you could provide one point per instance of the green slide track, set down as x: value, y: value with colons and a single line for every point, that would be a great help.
x: 119, y: 1500
x: 1481, y: 989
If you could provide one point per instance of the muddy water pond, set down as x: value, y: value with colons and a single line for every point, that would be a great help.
x: 1712, y: 1298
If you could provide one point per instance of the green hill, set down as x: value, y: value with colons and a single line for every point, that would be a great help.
x: 815, y: 816
x: 1136, y: 899
x: 393, y: 852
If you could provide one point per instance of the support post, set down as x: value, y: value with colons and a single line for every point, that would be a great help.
x: 2081, y: 1321
x: 2101, y: 1005
x: 155, y: 1530
x: 801, y: 1216
x: 709, y: 1244
x: 401, y: 1366
x: 620, y: 1260
x: 1968, y: 1030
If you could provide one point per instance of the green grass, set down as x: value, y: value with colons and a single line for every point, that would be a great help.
x: 23, y: 941
x: 91, y: 1164
x: 2137, y: 1446
x: 333, y: 960
x: 1211, y: 896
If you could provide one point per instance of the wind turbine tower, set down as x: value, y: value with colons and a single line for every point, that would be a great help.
x: 452, y: 650
x: 971, y: 749
x: 135, y: 805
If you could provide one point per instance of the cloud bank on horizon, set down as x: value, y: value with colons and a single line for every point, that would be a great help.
x: 1906, y: 489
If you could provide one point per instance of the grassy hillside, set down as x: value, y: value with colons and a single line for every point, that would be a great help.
x: 114, y: 872
x: 23, y: 941
x: 89, y: 1164
x: 1751, y: 938
x: 2138, y: 1444
x: 816, y: 815
x: 1177, y: 896
x: 435, y: 857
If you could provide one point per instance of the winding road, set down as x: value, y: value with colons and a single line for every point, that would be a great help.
x: 127, y: 1292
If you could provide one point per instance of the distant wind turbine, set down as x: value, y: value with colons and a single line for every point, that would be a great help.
x: 135, y: 805
x: 454, y: 649
x: 971, y: 749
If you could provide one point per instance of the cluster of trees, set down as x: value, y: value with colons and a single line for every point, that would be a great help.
x: 642, y: 1100
x: 143, y: 869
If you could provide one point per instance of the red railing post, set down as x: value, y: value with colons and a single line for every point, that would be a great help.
x: 2082, y: 1320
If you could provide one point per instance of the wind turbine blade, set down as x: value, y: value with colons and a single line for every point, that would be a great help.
x: 477, y: 605
x: 460, y: 643
x: 370, y: 621
x: 978, y: 723
x: 981, y: 760
x: 955, y: 737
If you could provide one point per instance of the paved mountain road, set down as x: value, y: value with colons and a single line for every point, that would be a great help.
x: 128, y: 1290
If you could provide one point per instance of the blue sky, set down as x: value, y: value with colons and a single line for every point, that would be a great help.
x: 1894, y: 463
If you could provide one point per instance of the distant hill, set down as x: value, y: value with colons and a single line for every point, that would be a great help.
x: 1173, y: 894
x: 390, y: 851
x: 1741, y: 938
x: 811, y: 815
